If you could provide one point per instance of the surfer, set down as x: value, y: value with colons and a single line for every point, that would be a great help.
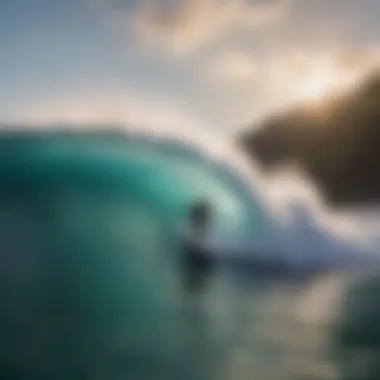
x: 198, y: 259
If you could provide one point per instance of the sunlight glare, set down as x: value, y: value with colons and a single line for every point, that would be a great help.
x: 319, y: 84
x: 325, y: 79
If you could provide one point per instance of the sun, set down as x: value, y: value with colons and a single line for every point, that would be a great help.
x: 319, y: 83
x: 323, y: 80
x: 316, y: 87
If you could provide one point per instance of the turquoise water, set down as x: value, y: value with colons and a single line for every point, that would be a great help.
x: 91, y: 277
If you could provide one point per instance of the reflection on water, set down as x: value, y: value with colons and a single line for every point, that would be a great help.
x: 251, y: 328
x: 278, y: 329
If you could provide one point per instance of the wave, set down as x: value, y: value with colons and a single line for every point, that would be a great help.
x: 89, y: 255
x: 88, y: 249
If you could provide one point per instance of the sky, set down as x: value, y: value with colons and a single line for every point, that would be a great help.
x: 208, y: 64
x: 215, y: 66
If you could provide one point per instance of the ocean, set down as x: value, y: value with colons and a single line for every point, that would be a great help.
x: 92, y: 284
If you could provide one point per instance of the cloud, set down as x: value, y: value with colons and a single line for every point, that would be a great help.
x: 286, y: 70
x: 141, y: 110
x: 362, y: 61
x: 286, y: 77
x: 189, y: 25
x: 233, y: 67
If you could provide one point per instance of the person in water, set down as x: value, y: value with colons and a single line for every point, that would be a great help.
x: 198, y: 260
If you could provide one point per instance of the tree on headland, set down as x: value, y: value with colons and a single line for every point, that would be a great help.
x: 335, y: 141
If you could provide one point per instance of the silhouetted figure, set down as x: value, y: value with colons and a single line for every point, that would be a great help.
x: 198, y: 260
